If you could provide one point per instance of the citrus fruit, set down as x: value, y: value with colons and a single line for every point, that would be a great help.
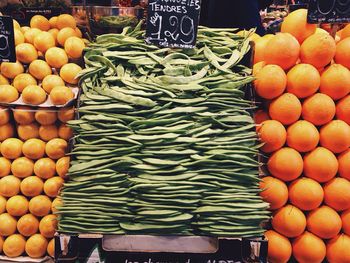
x: 57, y: 202
x: 318, y: 109
x: 335, y: 81
x: 279, y: 247
x: 74, y: 47
x: 51, y: 81
x: 69, y: 73
x: 337, y: 194
x: 62, y: 166
x: 6, y: 131
x: 28, y: 131
x: 33, y: 95
x: 286, y: 164
x: 19, y: 37
x: 46, y: 116
x: 4, y: 80
x: 16, y: 25
x: 257, y: 67
x: 36, y: 246
x: 39, y: 69
x: 9, y: 186
x: 8, y: 93
x: 28, y: 225
x: 40, y: 205
x: 23, y: 80
x: 273, y: 134
x: 26, y: 53
x: 5, y: 167
x: 343, y: 109
x: 345, y: 217
x: 66, y: 114
x: 11, y: 148
x: 261, y: 116
x: 22, y: 167
x: 338, y: 249
x: 32, y: 186
x: 318, y: 50
x: 285, y: 109
x: 17, y: 205
x: 7, y: 224
x: 56, y: 148
x: 61, y: 95
x: 79, y: 33
x: 309, y: 248
x: 260, y: 47
x: 53, y: 21
x: 344, y: 164
x: 302, y: 136
x: 4, y: 115
x: 2, y: 204
x: 30, y: 35
x: 14, y: 246
x: 48, y: 226
x: 56, y: 57
x: 44, y: 41
x: 48, y: 132
x: 53, y: 185
x: 1, y: 243
x: 274, y: 192
x: 40, y: 22
x: 11, y: 70
x: 66, y: 20
x: 270, y: 82
x: 51, y: 248
x: 54, y: 33
x: 289, y: 221
x: 24, y: 29
x: 345, y: 32
x: 335, y: 136
x: 23, y: 115
x: 34, y: 149
x: 303, y: 80
x: 342, y: 55
x: 45, y: 168
x: 65, y: 132
x: 64, y: 34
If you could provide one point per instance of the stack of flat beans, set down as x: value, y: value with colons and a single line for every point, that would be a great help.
x: 165, y: 144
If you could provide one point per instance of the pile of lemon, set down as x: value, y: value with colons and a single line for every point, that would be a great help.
x: 45, y: 54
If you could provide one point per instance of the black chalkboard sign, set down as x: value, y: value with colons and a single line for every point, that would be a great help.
x: 173, y: 23
x: 329, y: 11
x: 7, y: 40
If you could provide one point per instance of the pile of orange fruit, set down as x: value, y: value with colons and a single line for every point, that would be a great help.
x: 33, y: 166
x: 46, y: 52
x: 303, y: 77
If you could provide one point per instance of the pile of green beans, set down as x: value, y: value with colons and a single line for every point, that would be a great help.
x: 165, y: 144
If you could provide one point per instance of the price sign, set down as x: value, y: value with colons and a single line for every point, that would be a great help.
x: 173, y: 23
x: 329, y: 11
x: 7, y: 40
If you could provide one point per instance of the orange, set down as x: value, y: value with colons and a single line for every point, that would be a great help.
x: 342, y: 54
x: 338, y: 249
x: 260, y: 46
x: 29, y: 131
x: 41, y: 22
x: 61, y: 95
x: 53, y: 21
x: 5, y: 167
x: 28, y: 225
x: 2, y: 204
x: 270, y: 82
x: 74, y: 47
x: 69, y: 73
x: 56, y: 148
x: 34, y: 149
x: 40, y: 205
x: 44, y: 41
x: 23, y: 115
x: 16, y: 25
x: 17, y: 205
x: 62, y: 166
x: 66, y: 114
x: 53, y: 185
x: 19, y: 37
x: 272, y: 134
x: 23, y: 80
x: 318, y: 50
x: 32, y: 186
x: 51, y: 81
x: 33, y: 95
x: 48, y: 226
x: 30, y: 35
x: 45, y: 168
x: 296, y: 24
x: 344, y: 164
x: 274, y: 192
x: 303, y: 80
x: 79, y: 33
x: 64, y: 34
x: 345, y: 217
x: 283, y: 50
x: 22, y: 167
x: 320, y: 165
x: 11, y: 70
x: 7, y: 224
x: 4, y: 115
x: 65, y: 132
x: 6, y: 131
x: 261, y: 116
x: 302, y: 136
x: 9, y: 186
x: 26, y: 53
x: 324, y: 222
x: 11, y: 148
x: 1, y: 243
x: 46, y: 116
x: 318, y: 109
x: 54, y: 33
x: 51, y: 248
x: 48, y: 132
x: 343, y: 109
x: 289, y: 221
x: 3, y: 80
x: 36, y: 246
x: 14, y: 246
x: 335, y: 136
x: 345, y: 32
x: 279, y: 247
x: 56, y: 57
x: 56, y: 203
x: 257, y: 67
x: 286, y: 164
x: 337, y: 194
x: 66, y: 20
x: 24, y: 29
x: 335, y: 81
x: 8, y: 93
x: 39, y: 69
x: 285, y: 109
x: 309, y: 248
x: 306, y: 194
